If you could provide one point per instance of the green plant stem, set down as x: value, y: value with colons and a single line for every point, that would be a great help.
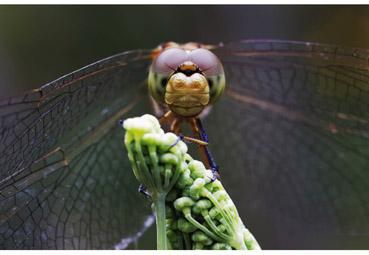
x: 161, y: 231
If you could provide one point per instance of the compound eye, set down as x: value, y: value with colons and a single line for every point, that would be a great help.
x: 168, y: 61
x: 207, y: 62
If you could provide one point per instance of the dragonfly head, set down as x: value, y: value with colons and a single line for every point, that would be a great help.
x: 186, y: 80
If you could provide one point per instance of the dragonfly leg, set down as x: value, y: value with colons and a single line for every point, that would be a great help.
x: 170, y: 122
x: 166, y: 120
x: 175, y: 126
x: 198, y: 129
x: 194, y: 140
x: 142, y: 189
x: 187, y: 139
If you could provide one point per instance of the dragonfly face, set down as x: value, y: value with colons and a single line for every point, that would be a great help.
x: 186, y: 80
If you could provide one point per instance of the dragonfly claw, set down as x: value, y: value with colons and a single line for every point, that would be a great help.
x: 180, y: 138
x: 215, y: 172
x: 142, y: 189
x: 121, y: 122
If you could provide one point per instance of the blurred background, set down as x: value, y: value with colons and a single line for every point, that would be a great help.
x: 40, y: 43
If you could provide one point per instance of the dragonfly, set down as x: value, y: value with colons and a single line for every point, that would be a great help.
x: 184, y: 81
x: 290, y: 133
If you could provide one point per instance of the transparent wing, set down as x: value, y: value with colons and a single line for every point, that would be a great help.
x: 293, y: 146
x: 65, y: 182
x: 292, y: 150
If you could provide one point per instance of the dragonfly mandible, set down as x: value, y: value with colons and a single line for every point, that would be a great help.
x: 292, y: 137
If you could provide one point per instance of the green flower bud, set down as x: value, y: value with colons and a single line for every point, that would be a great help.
x: 185, y: 226
x: 188, y: 158
x: 172, y: 235
x: 139, y: 125
x: 184, y: 180
x: 177, y: 182
x: 166, y: 141
x: 197, y: 169
x: 168, y: 158
x: 203, y: 204
x: 220, y: 246
x: 220, y: 195
x: 186, y: 192
x: 196, y: 188
x: 169, y: 212
x: 151, y: 139
x: 216, y: 185
x: 183, y: 202
x: 169, y: 222
x: 214, y: 212
x: 183, y: 167
x: 222, y: 228
x: 180, y: 148
x: 200, y: 237
x: 208, y: 176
